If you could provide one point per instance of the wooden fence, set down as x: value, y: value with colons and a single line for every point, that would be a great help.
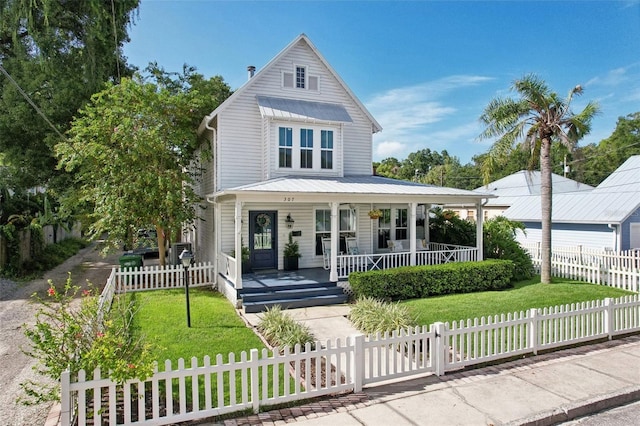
x: 204, y: 389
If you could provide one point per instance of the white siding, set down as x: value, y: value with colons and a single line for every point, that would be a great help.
x: 242, y: 132
x: 304, y: 216
x: 564, y: 238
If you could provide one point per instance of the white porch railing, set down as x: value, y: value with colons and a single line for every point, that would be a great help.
x: 435, y: 255
x: 188, y: 393
x: 614, y: 269
x: 227, y: 266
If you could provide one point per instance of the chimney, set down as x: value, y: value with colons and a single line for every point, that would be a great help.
x: 251, y: 70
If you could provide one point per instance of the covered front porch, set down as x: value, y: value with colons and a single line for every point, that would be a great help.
x: 332, y: 222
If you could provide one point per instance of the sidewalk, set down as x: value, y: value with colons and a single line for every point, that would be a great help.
x: 541, y: 390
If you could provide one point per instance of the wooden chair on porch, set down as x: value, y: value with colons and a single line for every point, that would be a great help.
x: 352, y: 245
x: 326, y: 253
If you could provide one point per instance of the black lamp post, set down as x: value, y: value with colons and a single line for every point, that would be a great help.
x: 186, y: 257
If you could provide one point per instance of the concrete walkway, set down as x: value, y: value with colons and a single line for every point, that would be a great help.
x: 541, y: 390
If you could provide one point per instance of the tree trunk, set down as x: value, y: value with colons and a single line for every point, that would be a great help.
x: 162, y: 253
x: 545, y: 209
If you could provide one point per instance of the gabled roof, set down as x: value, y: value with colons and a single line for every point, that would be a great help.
x: 626, y: 177
x: 613, y: 201
x: 524, y: 183
x: 353, y: 188
x: 302, y: 37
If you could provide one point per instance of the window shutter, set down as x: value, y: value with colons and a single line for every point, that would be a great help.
x: 287, y: 79
x: 313, y: 83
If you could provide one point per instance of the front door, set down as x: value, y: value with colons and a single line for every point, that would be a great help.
x: 263, y: 239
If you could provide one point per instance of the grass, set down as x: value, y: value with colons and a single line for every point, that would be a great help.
x: 215, y: 327
x: 524, y: 295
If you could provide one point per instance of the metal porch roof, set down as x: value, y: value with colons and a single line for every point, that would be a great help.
x: 301, y: 110
x: 352, y: 186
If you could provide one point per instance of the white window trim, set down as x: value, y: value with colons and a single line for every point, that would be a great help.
x: 354, y: 215
x: 295, y: 159
x: 392, y: 223
x: 307, y: 75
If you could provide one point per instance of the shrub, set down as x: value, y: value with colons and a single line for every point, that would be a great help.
x: 372, y: 316
x: 446, y: 227
x: 76, y: 338
x: 422, y: 281
x: 281, y: 330
x: 500, y: 243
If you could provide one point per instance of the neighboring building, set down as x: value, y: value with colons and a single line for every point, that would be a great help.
x: 512, y: 187
x: 292, y: 152
x: 608, y: 217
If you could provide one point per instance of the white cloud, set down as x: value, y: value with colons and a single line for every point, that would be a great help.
x: 386, y: 149
x: 412, y: 117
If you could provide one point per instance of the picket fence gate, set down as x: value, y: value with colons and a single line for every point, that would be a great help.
x: 272, y: 377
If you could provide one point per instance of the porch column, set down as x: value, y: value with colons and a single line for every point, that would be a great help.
x: 335, y: 246
x: 412, y: 233
x: 238, y: 244
x: 479, y: 235
x: 216, y: 241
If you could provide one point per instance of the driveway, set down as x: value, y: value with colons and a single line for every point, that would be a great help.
x: 17, y: 309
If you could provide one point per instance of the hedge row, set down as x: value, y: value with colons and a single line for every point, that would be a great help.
x: 412, y: 282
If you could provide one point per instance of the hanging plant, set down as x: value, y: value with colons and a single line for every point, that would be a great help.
x: 375, y: 214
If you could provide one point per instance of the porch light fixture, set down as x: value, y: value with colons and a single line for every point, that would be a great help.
x: 289, y: 221
x: 187, y: 259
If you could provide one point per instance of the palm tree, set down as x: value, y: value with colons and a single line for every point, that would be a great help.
x: 533, y: 121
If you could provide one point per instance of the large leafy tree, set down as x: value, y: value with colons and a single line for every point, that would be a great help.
x: 133, y: 151
x: 59, y: 53
x: 595, y: 162
x: 536, y: 118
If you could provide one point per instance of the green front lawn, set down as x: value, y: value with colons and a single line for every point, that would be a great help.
x: 524, y: 295
x: 215, y: 327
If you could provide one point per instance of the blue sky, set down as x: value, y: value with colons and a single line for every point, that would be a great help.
x: 425, y: 69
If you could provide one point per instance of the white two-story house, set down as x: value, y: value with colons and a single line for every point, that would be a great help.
x: 292, y: 153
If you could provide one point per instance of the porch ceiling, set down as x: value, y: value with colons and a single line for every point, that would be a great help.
x: 368, y: 189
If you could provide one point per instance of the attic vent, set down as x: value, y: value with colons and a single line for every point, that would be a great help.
x: 251, y: 70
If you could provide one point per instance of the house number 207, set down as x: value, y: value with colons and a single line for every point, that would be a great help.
x: 288, y: 199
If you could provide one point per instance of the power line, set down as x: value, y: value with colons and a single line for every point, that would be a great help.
x: 115, y: 38
x: 28, y: 99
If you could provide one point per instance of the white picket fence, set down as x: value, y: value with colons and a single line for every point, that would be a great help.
x: 161, y: 277
x: 200, y: 390
x: 605, y: 267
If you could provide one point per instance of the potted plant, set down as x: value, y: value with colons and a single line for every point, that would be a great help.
x: 375, y: 213
x: 291, y: 254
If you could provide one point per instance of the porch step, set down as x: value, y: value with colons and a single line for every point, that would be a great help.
x: 292, y: 296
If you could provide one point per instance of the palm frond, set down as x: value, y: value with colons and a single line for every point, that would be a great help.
x: 534, y: 90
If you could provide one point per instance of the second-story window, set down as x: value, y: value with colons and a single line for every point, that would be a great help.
x: 306, y: 148
x: 285, y: 147
x: 301, y: 77
x: 326, y: 149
